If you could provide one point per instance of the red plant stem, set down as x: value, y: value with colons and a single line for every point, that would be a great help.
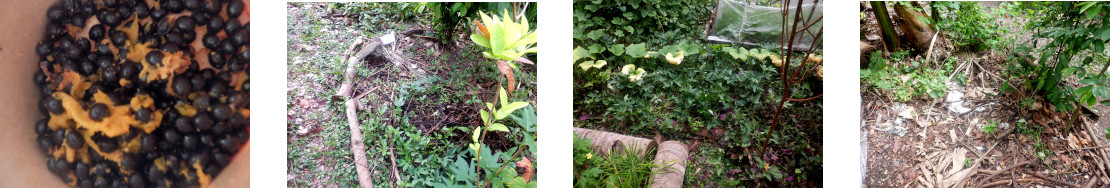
x: 789, y: 45
x: 806, y: 99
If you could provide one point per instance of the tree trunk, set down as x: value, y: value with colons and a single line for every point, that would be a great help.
x: 913, y: 26
x: 887, y: 28
x: 670, y: 164
x: 935, y: 14
x: 605, y: 142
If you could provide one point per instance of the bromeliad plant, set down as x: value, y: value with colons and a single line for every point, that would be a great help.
x: 507, y: 41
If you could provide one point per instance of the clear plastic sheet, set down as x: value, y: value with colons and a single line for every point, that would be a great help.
x: 743, y: 23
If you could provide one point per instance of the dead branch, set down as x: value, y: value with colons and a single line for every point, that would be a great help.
x: 352, y: 64
x: 1042, y: 176
x: 358, y: 147
x: 1027, y: 162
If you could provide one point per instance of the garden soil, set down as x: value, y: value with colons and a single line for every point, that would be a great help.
x: 921, y: 143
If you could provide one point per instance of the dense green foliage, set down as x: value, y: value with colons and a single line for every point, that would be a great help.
x: 641, y: 68
x: 967, y: 24
x: 1077, y: 35
x: 625, y: 21
x: 449, y: 16
x: 906, y: 80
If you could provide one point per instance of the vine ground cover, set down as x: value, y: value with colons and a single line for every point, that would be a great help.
x: 642, y: 69
x: 417, y: 116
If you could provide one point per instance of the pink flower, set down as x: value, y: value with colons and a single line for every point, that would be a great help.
x: 789, y: 178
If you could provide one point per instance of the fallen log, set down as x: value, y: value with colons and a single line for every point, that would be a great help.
x: 358, y: 148
x: 605, y: 142
x: 345, y: 89
x: 670, y: 164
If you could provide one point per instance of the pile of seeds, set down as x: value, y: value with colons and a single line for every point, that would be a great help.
x: 143, y: 93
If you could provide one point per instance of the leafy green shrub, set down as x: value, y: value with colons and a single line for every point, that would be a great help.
x: 968, y: 25
x: 907, y: 82
x: 624, y: 21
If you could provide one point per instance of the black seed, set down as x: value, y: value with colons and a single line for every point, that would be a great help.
x: 109, y: 18
x: 226, y: 47
x: 81, y: 170
x: 118, y: 38
x: 87, y: 68
x: 110, y: 3
x: 143, y: 115
x: 128, y: 162
x: 235, y: 8
x: 245, y: 55
x: 44, y: 49
x: 45, y: 144
x: 229, y: 143
x: 201, y: 18
x: 41, y: 127
x: 101, y: 169
x: 190, y: 141
x: 66, y: 42
x: 63, y: 165
x: 129, y: 71
x: 185, y: 24
x: 208, y: 140
x: 59, y: 136
x: 173, y: 39
x: 222, y: 159
x: 136, y: 180
x: 231, y: 26
x: 158, y: 14
x: 141, y: 10
x: 210, y: 40
x: 99, y: 111
x: 171, y: 137
x: 235, y: 65
x: 240, y: 38
x: 74, y: 139
x: 174, y: 6
x: 154, y: 58
x: 201, y: 101
x: 202, y: 121
x: 163, y: 26
x: 104, y: 49
x: 85, y: 183
x: 153, y: 174
x: 216, y: 60
x: 54, y: 105
x: 118, y: 183
x: 215, y: 25
x: 212, y: 8
x: 147, y: 143
x: 201, y: 158
x: 102, y: 183
x: 222, y: 112
x: 198, y: 82
x: 124, y: 12
x: 56, y: 13
x: 108, y: 145
x: 77, y: 20
x: 181, y: 86
x: 184, y: 124
x: 110, y: 74
x: 193, y: 5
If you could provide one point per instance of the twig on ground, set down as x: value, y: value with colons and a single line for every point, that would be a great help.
x: 1042, y: 176
x: 393, y: 161
x: 1004, y: 182
x: 1026, y: 162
